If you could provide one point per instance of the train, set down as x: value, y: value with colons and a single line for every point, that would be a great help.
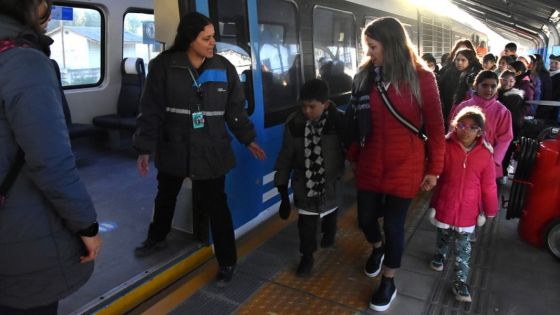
x: 275, y: 46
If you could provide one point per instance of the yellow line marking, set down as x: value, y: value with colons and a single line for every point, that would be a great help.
x: 208, y: 270
x: 144, y: 291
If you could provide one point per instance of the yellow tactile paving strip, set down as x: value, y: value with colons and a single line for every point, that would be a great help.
x: 337, y: 284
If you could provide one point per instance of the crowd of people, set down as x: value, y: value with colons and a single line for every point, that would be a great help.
x: 459, y: 119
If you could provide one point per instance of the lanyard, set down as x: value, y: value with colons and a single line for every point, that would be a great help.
x: 198, y: 88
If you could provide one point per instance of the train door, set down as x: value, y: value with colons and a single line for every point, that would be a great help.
x: 261, y: 39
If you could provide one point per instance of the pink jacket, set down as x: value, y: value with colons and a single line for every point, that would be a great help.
x: 497, y: 129
x: 467, y: 184
x: 393, y: 158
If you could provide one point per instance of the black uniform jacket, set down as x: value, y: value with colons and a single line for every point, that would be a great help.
x: 165, y: 123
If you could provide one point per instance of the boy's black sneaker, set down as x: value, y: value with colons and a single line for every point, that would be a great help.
x: 461, y: 291
x: 373, y: 264
x: 384, y: 296
x: 148, y: 247
x: 224, y: 276
x: 305, y: 266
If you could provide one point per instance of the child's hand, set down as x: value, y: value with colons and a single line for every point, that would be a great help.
x: 428, y: 182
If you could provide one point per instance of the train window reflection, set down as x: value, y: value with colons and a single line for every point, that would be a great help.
x: 335, y: 53
x: 78, y: 44
x: 280, y: 59
x: 139, y: 37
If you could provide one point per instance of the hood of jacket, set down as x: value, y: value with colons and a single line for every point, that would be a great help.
x: 515, y: 91
x: 12, y: 29
x: 9, y: 27
x: 482, y: 102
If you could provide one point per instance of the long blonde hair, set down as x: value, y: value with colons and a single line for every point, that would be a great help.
x: 400, y: 61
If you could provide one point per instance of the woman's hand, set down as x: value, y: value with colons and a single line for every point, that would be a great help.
x: 143, y: 164
x: 93, y: 246
x: 256, y: 151
x: 429, y: 182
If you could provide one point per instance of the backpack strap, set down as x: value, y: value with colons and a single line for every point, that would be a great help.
x: 20, y: 156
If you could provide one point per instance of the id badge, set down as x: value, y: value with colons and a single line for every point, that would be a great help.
x: 198, y: 120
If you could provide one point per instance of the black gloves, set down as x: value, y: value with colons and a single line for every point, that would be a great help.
x: 285, y: 206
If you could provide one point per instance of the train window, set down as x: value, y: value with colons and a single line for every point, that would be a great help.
x: 78, y: 44
x: 334, y: 49
x: 280, y: 59
x: 232, y: 36
x: 232, y: 40
x: 139, y: 36
x: 436, y: 35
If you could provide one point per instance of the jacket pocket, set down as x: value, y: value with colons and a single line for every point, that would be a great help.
x: 212, y: 160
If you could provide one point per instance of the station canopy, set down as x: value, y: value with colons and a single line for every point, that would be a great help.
x: 537, y: 21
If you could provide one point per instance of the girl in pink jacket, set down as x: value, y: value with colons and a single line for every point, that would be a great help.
x: 466, y: 185
x: 498, y: 128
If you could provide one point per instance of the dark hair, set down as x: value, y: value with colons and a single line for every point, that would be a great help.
x: 507, y: 73
x: 457, y: 47
x: 190, y: 26
x: 489, y: 57
x: 473, y: 112
x: 314, y: 90
x: 24, y: 11
x: 444, y: 58
x: 518, y: 66
x: 508, y: 59
x: 484, y: 75
x: 429, y: 58
x: 471, y: 57
x: 511, y: 46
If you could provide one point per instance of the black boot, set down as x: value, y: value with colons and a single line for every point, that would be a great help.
x: 148, y: 247
x: 374, y: 262
x: 384, y: 296
x: 305, y: 266
x: 224, y: 276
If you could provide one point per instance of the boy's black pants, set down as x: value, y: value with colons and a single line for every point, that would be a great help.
x: 209, y: 197
x: 307, y: 227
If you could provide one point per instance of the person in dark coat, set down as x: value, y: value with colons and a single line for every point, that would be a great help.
x: 448, y: 78
x: 312, y: 156
x: 388, y: 176
x: 189, y: 97
x: 48, y: 229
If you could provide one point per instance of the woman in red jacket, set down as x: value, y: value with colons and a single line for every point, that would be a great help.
x: 388, y: 158
x: 467, y: 182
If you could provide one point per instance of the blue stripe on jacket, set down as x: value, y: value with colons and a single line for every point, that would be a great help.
x: 212, y: 75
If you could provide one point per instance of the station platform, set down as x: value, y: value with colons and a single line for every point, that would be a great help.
x: 508, y: 276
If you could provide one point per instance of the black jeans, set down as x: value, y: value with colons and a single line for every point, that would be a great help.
x: 307, y: 228
x: 209, y: 197
x: 50, y: 309
x: 373, y: 205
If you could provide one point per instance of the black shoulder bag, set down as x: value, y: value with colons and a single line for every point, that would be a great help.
x: 20, y: 156
x: 394, y: 112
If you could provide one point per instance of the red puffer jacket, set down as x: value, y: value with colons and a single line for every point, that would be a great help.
x: 392, y: 160
x: 467, y: 184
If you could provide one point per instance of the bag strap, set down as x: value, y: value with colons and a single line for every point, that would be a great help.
x: 20, y: 156
x: 395, y: 113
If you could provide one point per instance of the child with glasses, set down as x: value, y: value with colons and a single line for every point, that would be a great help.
x: 467, y: 182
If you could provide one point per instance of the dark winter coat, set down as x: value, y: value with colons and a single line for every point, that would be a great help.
x: 513, y: 101
x: 291, y: 160
x: 165, y: 124
x: 48, y: 204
